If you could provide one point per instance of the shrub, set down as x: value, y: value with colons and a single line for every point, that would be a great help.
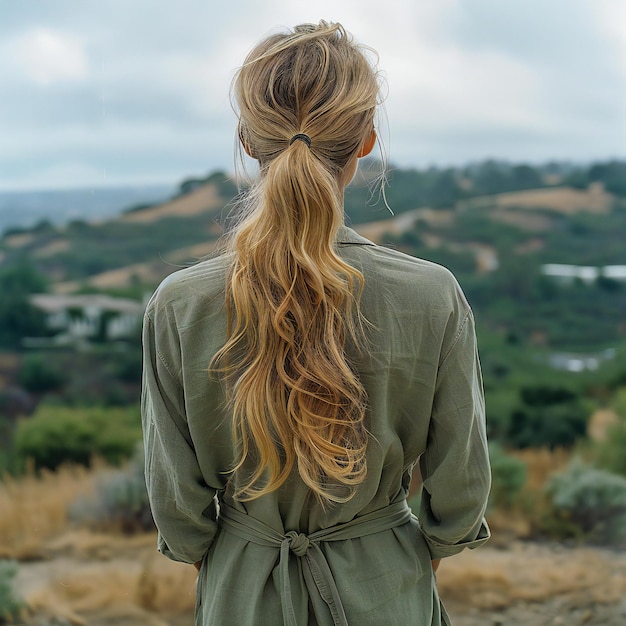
x: 128, y: 366
x: 121, y: 500
x: 589, y: 503
x: 10, y: 605
x: 37, y: 375
x: 548, y: 416
x: 508, y: 477
x: 611, y: 453
x: 57, y: 435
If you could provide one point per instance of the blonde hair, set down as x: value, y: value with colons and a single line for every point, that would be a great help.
x: 293, y: 302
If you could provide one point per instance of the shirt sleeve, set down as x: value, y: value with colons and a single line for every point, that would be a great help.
x: 183, y: 505
x: 455, y: 466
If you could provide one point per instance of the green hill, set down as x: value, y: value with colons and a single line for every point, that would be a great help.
x: 494, y: 224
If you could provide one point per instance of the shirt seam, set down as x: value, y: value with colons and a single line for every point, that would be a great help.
x: 161, y: 358
x: 456, y: 339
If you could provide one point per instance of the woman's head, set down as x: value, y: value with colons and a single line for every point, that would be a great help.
x: 314, y: 80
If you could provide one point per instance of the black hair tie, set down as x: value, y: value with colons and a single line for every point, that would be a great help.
x: 301, y: 137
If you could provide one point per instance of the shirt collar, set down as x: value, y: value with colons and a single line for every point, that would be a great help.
x: 346, y: 235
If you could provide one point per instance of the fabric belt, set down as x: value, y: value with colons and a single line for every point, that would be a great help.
x: 317, y: 574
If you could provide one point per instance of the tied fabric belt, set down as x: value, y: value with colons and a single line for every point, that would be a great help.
x: 317, y: 575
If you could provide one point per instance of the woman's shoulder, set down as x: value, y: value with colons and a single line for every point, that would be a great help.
x: 203, y: 281
x: 396, y: 270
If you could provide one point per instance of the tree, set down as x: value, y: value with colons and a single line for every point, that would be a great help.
x: 548, y: 416
x: 18, y: 317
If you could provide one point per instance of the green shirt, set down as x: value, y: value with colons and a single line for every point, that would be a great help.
x: 422, y: 376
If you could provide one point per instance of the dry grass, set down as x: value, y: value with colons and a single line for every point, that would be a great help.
x: 89, y: 577
x: 86, y: 545
x: 199, y: 201
x: 165, y: 585
x: 54, y: 247
x: 542, y: 462
x: 532, y: 222
x: 19, y: 241
x: 149, y: 272
x: 492, y: 579
x: 34, y: 508
x: 402, y: 222
x: 137, y: 584
x: 527, y: 517
x: 600, y: 424
x: 100, y: 573
x: 562, y: 199
x: 70, y: 573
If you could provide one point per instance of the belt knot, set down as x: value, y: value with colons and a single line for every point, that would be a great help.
x: 298, y: 542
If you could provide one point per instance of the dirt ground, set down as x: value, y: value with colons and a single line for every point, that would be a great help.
x: 86, y: 579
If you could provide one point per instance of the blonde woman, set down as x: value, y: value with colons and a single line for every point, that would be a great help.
x: 334, y: 367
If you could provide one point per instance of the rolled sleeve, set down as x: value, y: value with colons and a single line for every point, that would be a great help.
x: 183, y: 505
x: 455, y: 465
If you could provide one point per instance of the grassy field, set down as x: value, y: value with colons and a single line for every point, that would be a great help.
x: 76, y: 574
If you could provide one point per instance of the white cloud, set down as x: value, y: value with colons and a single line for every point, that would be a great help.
x: 148, y: 95
x: 47, y: 56
x: 610, y: 16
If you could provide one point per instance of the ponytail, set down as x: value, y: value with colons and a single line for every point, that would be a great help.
x: 293, y: 302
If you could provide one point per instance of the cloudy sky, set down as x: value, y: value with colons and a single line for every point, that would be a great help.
x: 115, y: 92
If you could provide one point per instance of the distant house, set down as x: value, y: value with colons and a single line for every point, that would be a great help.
x: 585, y: 273
x: 580, y: 362
x: 616, y: 272
x: 85, y: 317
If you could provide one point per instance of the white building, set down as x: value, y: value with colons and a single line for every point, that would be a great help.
x: 86, y: 316
x: 587, y: 273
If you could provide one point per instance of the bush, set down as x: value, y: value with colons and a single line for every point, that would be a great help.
x: 121, y: 500
x: 57, y: 435
x: 10, y: 605
x: 128, y: 366
x: 548, y: 416
x: 508, y: 476
x: 589, y: 503
x: 37, y: 375
x: 611, y: 453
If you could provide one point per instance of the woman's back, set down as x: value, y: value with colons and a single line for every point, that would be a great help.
x: 423, y: 383
x: 292, y: 383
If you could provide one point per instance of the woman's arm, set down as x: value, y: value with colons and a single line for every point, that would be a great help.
x: 183, y: 505
x: 455, y: 466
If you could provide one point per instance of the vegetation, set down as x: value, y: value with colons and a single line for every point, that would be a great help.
x: 10, y: 605
x: 96, y: 248
x: 39, y: 374
x: 610, y: 453
x: 226, y: 188
x: 120, y: 501
x: 612, y: 174
x: 437, y: 188
x: 57, y: 435
x: 61, y: 406
x: 18, y: 317
x: 508, y: 477
x: 589, y: 503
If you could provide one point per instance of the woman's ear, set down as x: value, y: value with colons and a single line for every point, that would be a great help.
x: 368, y: 145
x: 246, y: 147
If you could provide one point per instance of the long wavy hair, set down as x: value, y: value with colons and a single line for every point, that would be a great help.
x: 293, y: 302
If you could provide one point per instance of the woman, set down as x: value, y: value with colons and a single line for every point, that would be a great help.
x: 334, y: 365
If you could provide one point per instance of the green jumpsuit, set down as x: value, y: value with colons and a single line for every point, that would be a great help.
x: 283, y: 558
